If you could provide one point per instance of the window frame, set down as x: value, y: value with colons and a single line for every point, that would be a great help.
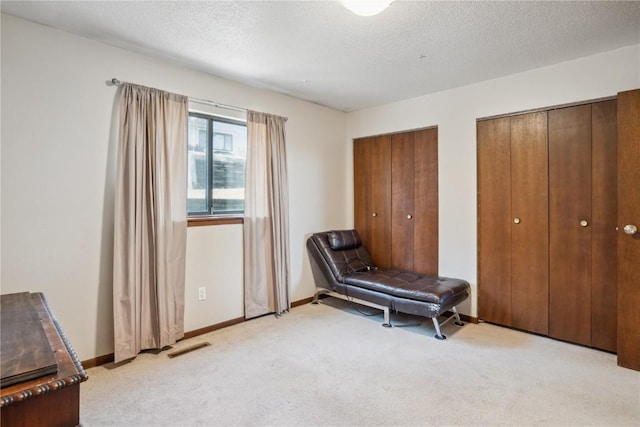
x: 209, y: 217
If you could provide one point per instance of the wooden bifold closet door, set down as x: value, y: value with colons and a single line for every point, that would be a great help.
x: 546, y: 230
x: 372, y: 196
x: 582, y: 218
x: 512, y: 214
x: 396, y: 198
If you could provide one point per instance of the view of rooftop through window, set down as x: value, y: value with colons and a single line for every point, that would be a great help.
x: 216, y: 170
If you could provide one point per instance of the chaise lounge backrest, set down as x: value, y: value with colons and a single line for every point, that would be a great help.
x: 341, y: 251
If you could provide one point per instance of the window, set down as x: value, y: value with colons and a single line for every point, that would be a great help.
x: 217, y: 155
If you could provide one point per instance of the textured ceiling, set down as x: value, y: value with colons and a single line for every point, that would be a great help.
x: 320, y: 52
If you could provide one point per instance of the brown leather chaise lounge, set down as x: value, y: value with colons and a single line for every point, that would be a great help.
x: 342, y: 268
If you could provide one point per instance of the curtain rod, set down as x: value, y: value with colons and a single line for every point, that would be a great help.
x: 117, y: 82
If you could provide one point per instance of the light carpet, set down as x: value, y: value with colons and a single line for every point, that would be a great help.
x: 328, y: 364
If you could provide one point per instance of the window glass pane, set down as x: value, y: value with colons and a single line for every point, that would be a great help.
x: 222, y: 142
x: 229, y: 159
x: 197, y: 178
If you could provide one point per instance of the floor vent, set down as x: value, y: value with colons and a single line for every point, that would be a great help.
x: 188, y: 349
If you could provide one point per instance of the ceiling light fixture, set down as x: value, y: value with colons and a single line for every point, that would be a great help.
x: 366, y: 7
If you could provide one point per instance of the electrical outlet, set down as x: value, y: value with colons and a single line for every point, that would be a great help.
x: 202, y: 293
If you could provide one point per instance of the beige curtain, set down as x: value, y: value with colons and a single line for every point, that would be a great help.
x: 150, y: 221
x: 266, y: 221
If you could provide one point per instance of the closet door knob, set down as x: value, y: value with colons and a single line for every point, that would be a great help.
x: 630, y: 229
x: 584, y: 223
x: 374, y: 214
x: 516, y: 220
x: 409, y: 216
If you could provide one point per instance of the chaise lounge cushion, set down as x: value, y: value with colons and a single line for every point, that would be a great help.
x: 409, y: 285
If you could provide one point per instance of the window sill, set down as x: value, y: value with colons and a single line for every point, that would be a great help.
x: 213, y: 220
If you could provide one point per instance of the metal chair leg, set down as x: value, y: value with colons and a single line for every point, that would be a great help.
x: 439, y: 335
x: 387, y: 322
x: 457, y: 320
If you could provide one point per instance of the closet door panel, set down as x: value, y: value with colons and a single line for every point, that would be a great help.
x: 379, y: 243
x: 570, y: 224
x: 529, y: 236
x: 494, y: 220
x: 603, y: 232
x: 628, y: 244
x: 402, y: 210
x: 361, y: 184
x: 425, y: 218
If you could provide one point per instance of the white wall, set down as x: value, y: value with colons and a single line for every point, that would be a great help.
x: 57, y: 173
x: 455, y: 113
x: 214, y: 260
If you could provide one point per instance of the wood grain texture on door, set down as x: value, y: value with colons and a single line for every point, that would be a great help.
x: 628, y: 271
x: 603, y: 220
x: 530, y: 236
x: 361, y: 182
x: 372, y: 196
x: 546, y: 222
x: 379, y: 244
x: 569, y: 224
x: 402, y: 184
x: 425, y: 204
x: 396, y: 198
x: 494, y: 220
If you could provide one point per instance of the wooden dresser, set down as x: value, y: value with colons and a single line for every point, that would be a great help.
x: 41, y: 374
